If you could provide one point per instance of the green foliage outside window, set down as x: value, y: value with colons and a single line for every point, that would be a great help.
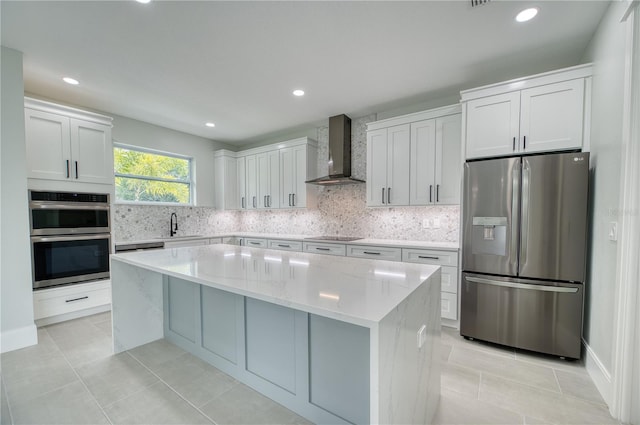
x: 149, y: 177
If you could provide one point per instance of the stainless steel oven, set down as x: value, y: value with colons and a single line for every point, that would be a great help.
x: 70, y: 237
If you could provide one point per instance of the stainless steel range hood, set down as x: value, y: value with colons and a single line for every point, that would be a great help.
x: 339, y: 172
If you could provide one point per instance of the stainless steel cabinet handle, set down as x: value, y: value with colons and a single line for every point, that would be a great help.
x: 544, y: 288
x: 372, y: 253
x: 67, y: 168
x: 524, y: 142
x: 322, y: 249
x: 289, y: 199
x: 426, y: 257
x: 264, y: 201
x: 268, y: 200
x: 293, y: 199
x: 86, y: 297
x: 514, y: 143
x: 284, y: 246
x: 437, y: 193
x: 430, y: 193
x: 254, y: 243
x: 254, y: 202
x: 76, y: 169
x: 383, y: 195
x: 242, y: 202
x: 388, y: 195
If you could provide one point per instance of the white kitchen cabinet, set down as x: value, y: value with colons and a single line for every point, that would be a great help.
x: 285, y: 245
x: 66, y: 300
x: 251, y: 174
x: 268, y: 172
x: 534, y: 114
x: 325, y: 248
x: 297, y: 165
x: 436, y: 163
x: 388, y: 152
x: 67, y: 144
x: 226, y: 181
x: 255, y: 242
x: 241, y: 183
x: 374, y: 252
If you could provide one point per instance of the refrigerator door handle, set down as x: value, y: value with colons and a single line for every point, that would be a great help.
x: 515, y: 206
x: 524, y: 215
x: 544, y: 288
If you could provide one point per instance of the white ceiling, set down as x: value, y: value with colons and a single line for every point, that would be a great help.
x: 180, y: 64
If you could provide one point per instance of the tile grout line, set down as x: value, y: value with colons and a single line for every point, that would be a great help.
x: 557, y: 381
x: 172, y: 389
x: 8, y: 404
x: 82, y: 382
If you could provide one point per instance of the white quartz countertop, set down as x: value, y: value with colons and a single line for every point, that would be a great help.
x: 352, y: 290
x: 448, y: 246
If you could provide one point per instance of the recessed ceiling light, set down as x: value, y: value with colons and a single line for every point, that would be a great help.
x: 527, y: 14
x: 143, y: 1
x: 298, y: 92
x: 71, y: 81
x: 210, y: 124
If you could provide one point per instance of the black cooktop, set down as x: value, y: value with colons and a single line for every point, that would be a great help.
x: 335, y: 238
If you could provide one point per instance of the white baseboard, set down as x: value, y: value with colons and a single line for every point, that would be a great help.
x: 599, y: 374
x: 15, y: 339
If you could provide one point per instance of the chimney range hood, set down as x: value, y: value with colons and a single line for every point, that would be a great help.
x: 339, y: 172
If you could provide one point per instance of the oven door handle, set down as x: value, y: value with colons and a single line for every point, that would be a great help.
x: 71, y: 238
x: 47, y: 206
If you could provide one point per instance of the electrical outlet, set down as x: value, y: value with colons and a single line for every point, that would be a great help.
x: 436, y: 223
x: 425, y: 223
x: 613, y: 231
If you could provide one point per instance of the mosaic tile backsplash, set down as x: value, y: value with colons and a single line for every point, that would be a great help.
x: 341, y: 211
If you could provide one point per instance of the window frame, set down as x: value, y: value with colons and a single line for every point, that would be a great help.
x: 190, y: 182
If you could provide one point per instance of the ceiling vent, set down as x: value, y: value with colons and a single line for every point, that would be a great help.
x: 475, y: 3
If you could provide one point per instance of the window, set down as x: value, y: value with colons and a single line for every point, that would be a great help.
x: 147, y: 176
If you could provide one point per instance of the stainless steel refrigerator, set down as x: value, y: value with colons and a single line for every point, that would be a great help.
x: 524, y: 251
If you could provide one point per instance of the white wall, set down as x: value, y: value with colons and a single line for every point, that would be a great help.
x: 606, y: 51
x: 138, y: 133
x: 16, y: 295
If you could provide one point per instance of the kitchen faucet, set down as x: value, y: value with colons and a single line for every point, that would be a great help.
x: 173, y: 228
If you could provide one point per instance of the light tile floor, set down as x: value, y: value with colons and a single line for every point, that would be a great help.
x: 71, y: 377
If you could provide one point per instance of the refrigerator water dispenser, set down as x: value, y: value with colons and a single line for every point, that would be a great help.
x: 489, y: 235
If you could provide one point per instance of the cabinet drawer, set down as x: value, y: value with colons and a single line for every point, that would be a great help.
x: 256, y: 243
x: 285, y: 245
x: 325, y: 248
x: 430, y: 256
x: 190, y: 242
x: 449, y: 306
x: 374, y: 252
x: 214, y: 241
x: 56, y: 301
x: 449, y: 279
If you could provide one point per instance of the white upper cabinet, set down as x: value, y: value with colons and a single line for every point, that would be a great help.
x: 267, y: 177
x: 416, y: 162
x: 436, y: 163
x: 67, y: 144
x: 534, y: 114
x: 297, y: 165
x: 388, y: 152
x: 268, y: 173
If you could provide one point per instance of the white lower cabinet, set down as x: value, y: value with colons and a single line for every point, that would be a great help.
x: 189, y: 242
x: 69, y: 299
x: 325, y: 248
x: 374, y: 252
x: 448, y: 262
x: 285, y: 245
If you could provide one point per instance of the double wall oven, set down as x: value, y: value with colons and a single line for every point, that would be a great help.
x: 70, y: 237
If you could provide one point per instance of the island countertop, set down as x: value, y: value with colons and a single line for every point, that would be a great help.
x: 359, y: 291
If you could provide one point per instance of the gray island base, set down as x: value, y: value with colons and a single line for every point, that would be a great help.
x: 335, y: 339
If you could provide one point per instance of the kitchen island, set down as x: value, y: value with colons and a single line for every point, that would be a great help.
x: 336, y: 340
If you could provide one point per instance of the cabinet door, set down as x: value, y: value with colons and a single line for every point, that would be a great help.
x: 551, y: 117
x: 398, y: 154
x: 422, y: 184
x: 493, y: 125
x: 377, y: 167
x: 448, y: 162
x: 287, y: 177
x: 48, y: 146
x: 252, y: 182
x: 299, y: 194
x: 268, y: 179
x: 91, y: 152
x: 241, y: 172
